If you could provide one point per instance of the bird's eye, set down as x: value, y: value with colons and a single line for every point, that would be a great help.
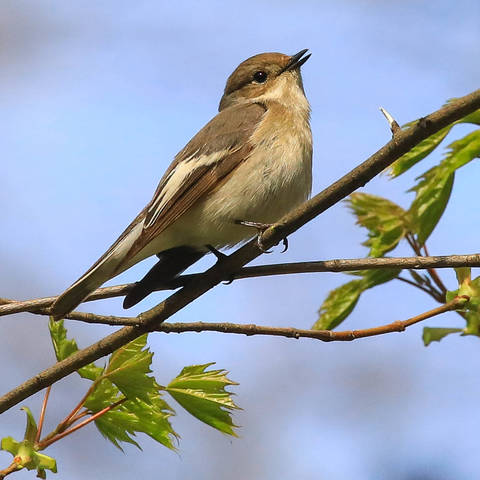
x: 260, y: 76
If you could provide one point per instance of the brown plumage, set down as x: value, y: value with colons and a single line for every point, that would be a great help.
x: 250, y: 162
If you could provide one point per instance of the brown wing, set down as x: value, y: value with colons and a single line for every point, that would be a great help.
x: 226, y: 139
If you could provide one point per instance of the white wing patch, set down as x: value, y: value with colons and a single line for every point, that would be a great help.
x: 177, y: 178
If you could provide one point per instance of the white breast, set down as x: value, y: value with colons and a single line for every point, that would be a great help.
x: 272, y: 181
x: 276, y: 177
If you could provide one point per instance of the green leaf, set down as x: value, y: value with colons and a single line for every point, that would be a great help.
x: 387, y: 222
x: 130, y: 417
x: 128, y: 369
x: 434, y: 334
x: 462, y: 151
x: 433, y: 190
x: 450, y: 295
x: 126, y: 375
x: 104, y: 395
x: 25, y: 452
x: 471, y: 289
x: 202, y: 393
x: 473, y: 323
x: 145, y: 411
x: 31, y: 428
x: 463, y: 274
x: 90, y: 372
x: 419, y: 152
x: 472, y: 118
x: 342, y: 300
x: 372, y: 278
x: 424, y: 148
x: 338, y: 305
x: 10, y: 445
x: 432, y: 195
x: 27, y: 457
x: 44, y: 462
x: 64, y: 348
x: 133, y: 416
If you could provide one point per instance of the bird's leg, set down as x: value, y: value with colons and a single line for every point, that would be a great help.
x: 216, y: 252
x: 261, y: 227
x: 221, y: 256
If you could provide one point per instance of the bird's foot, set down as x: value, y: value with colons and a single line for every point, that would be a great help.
x: 261, y: 227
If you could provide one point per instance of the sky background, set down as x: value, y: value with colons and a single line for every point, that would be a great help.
x: 95, y: 100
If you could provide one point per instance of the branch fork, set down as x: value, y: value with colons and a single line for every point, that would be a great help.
x: 403, y: 141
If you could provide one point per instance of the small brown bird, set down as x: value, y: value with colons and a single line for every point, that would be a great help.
x: 248, y: 166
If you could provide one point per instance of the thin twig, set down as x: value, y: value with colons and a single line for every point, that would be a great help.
x: 70, y: 418
x: 13, y: 467
x: 47, y: 442
x: 413, y: 244
x: 433, y: 273
x: 251, y: 329
x: 337, y: 265
x: 42, y: 414
x: 417, y: 285
x: 323, y: 335
x: 79, y: 415
x: 394, y: 126
x: 425, y: 282
x: 404, y: 141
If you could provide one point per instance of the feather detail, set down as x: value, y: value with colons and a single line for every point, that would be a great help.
x: 106, y: 267
x: 212, y: 154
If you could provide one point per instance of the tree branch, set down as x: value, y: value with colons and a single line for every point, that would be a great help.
x: 323, y: 335
x: 251, y: 329
x: 39, y: 305
x: 402, y: 142
x: 13, y: 467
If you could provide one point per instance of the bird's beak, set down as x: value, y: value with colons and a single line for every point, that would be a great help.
x: 296, y: 61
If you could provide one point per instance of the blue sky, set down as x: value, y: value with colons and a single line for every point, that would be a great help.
x: 96, y: 100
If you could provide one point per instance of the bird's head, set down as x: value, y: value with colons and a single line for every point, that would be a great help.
x: 263, y: 77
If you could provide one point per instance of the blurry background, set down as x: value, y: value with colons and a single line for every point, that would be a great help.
x: 95, y: 100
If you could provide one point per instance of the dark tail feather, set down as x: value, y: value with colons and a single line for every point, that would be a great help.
x: 171, y: 263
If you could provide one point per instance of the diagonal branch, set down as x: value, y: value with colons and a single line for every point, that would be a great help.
x: 39, y: 305
x: 402, y: 142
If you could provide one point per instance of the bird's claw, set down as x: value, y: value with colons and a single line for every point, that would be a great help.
x: 261, y: 227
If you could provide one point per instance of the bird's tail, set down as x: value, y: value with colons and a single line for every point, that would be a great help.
x: 108, y: 266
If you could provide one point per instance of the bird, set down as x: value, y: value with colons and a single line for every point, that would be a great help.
x: 246, y: 168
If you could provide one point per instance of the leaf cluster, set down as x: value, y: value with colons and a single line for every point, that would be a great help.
x: 124, y: 399
x: 387, y: 224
